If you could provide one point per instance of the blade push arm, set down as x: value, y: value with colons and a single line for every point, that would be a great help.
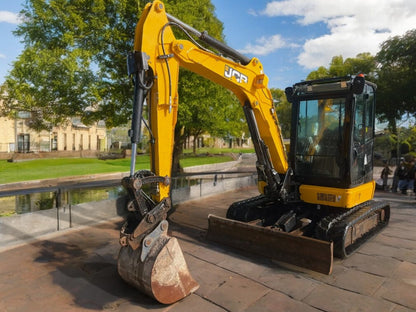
x: 243, y: 76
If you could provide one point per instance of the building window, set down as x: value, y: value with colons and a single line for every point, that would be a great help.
x: 23, y: 143
x: 54, y: 142
x: 73, y: 141
x: 81, y: 143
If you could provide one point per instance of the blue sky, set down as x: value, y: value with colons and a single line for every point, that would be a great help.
x: 290, y: 37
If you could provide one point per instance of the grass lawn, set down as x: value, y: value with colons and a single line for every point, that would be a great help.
x: 62, y: 167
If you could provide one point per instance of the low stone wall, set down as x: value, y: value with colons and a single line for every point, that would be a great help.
x: 229, y: 165
x: 56, y: 154
x: 207, y: 187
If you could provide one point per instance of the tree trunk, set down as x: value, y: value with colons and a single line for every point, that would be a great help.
x: 180, y: 138
x: 195, y: 144
x: 393, y: 125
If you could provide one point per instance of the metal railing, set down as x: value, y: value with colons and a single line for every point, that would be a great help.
x: 184, y: 187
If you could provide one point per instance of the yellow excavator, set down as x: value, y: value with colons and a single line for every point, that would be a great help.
x: 314, y: 202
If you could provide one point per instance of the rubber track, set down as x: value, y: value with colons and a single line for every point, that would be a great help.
x: 334, y: 228
x: 248, y: 209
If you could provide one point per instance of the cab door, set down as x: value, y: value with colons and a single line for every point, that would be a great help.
x: 363, y: 137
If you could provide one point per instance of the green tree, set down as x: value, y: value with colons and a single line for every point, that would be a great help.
x: 204, y: 107
x: 338, y: 67
x: 320, y: 73
x: 208, y: 108
x: 363, y: 63
x: 73, y: 64
x: 397, y: 78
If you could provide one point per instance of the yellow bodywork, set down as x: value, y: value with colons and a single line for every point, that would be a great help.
x: 247, y: 82
x: 336, y: 197
x: 158, y: 58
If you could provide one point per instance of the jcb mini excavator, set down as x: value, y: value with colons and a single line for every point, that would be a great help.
x: 313, y: 204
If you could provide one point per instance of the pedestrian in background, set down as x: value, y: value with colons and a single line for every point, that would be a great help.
x: 406, y: 175
x: 402, y: 173
x: 395, y: 183
x: 385, y: 175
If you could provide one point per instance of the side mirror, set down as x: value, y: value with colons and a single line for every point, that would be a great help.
x: 358, y: 84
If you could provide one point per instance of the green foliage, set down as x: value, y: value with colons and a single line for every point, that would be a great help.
x: 320, y: 73
x: 404, y: 140
x: 283, y: 111
x: 208, y: 107
x: 385, y: 144
x: 7, y: 213
x: 397, y: 78
x: 363, y: 63
x: 73, y: 60
x: 73, y: 63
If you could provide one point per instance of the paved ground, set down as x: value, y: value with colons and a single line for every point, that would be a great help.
x: 75, y: 270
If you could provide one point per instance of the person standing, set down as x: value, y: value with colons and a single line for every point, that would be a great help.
x: 395, y: 183
x: 385, y: 175
x: 402, y: 173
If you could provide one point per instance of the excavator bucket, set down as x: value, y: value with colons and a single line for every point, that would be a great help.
x: 150, y: 259
x: 301, y: 251
x: 157, y: 267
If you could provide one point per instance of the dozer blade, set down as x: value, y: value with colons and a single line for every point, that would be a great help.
x: 297, y: 250
x: 157, y: 267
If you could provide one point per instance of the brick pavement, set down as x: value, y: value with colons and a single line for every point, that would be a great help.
x: 75, y: 270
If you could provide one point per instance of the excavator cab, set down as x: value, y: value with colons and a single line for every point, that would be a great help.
x: 325, y: 205
x: 332, y: 133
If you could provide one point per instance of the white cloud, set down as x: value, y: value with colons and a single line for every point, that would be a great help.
x: 252, y: 12
x: 265, y: 45
x: 2, y: 56
x: 354, y: 26
x: 9, y: 17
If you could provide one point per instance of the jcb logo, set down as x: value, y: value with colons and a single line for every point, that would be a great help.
x: 230, y: 72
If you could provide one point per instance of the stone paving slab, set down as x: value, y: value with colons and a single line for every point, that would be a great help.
x: 330, y: 298
x: 237, y: 293
x: 76, y: 270
x: 398, y: 292
x: 276, y: 301
x: 358, y: 282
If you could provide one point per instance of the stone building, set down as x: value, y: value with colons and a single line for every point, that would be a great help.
x: 17, y: 137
